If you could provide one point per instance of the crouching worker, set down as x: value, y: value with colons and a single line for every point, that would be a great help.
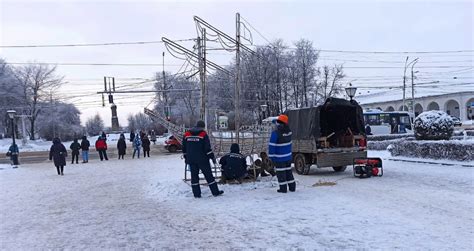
x: 197, y: 153
x: 279, y: 151
x: 233, y: 165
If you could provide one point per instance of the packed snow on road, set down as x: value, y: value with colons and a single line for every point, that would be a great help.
x: 145, y: 204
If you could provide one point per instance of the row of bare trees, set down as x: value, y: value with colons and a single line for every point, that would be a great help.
x: 274, y: 78
x: 31, y: 90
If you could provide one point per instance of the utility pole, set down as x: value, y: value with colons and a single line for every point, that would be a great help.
x: 110, y: 81
x: 165, y: 95
x: 413, y: 87
x: 201, y: 44
x: 237, y: 77
x: 404, y: 83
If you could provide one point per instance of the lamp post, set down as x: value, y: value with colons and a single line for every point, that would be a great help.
x: 351, y: 91
x: 11, y: 115
x: 413, y: 86
x: 264, y: 108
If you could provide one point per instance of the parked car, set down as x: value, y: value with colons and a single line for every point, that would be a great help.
x: 457, y: 121
x: 173, y: 145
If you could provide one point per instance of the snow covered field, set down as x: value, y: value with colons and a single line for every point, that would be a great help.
x: 144, y: 204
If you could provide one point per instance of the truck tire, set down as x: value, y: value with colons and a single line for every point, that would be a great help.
x: 172, y: 149
x: 301, y: 166
x: 338, y: 169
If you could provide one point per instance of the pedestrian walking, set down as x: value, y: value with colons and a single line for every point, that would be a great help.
x: 121, y: 146
x: 279, y: 151
x: 153, y: 137
x: 197, y: 152
x: 101, y: 147
x: 146, y: 146
x: 13, y: 153
x: 58, y: 154
x: 75, y: 146
x: 85, y: 149
x: 137, y: 143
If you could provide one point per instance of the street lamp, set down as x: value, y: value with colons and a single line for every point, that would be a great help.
x: 351, y: 91
x: 11, y: 115
x: 264, y: 108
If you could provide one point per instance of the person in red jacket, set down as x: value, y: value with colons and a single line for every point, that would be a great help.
x: 101, y: 147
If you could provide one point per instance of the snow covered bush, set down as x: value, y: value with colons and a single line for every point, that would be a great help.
x: 461, y: 150
x: 433, y: 125
x: 382, y: 144
x: 383, y: 137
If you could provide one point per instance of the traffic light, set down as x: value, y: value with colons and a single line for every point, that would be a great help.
x: 111, y: 99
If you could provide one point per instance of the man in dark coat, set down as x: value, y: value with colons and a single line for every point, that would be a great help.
x: 146, y: 146
x: 58, y: 153
x: 121, y: 146
x: 104, y: 136
x: 197, y: 152
x: 101, y: 147
x: 132, y: 136
x: 85, y: 149
x: 279, y: 151
x: 233, y: 165
x: 75, y: 146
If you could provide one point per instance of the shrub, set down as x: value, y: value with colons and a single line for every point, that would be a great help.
x: 433, y: 125
x: 461, y: 150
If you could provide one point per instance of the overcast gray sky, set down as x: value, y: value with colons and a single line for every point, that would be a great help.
x: 331, y: 25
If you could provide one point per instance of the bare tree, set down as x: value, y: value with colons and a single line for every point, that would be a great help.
x: 37, y: 82
x: 330, y: 84
x: 10, y: 93
x: 94, y: 125
x: 306, y: 58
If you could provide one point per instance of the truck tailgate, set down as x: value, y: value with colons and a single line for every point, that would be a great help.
x: 339, y: 156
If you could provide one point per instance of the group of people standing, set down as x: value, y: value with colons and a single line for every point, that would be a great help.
x: 139, y: 141
x: 197, y: 153
x: 58, y: 152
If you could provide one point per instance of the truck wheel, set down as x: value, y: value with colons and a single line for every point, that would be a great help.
x: 338, y: 169
x: 301, y: 166
x: 172, y: 149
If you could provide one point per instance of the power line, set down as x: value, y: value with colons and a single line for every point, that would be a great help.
x: 92, y: 64
x: 397, y: 52
x: 90, y: 44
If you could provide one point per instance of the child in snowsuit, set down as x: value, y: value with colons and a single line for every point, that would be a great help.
x: 233, y: 165
x: 75, y: 146
x: 146, y: 146
x: 58, y: 153
x: 137, y: 143
x: 121, y: 146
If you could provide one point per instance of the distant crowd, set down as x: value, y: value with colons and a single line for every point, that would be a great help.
x: 140, y: 140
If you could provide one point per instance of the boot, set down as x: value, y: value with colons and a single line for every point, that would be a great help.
x: 219, y: 193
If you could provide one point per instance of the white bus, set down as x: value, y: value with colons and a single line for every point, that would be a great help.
x: 381, y: 122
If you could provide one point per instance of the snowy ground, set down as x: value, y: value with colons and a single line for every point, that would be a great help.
x: 144, y: 204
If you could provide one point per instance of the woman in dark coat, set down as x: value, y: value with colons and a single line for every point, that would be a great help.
x: 75, y: 147
x: 58, y: 153
x: 146, y: 146
x: 121, y: 146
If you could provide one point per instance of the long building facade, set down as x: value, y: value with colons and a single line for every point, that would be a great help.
x: 459, y: 104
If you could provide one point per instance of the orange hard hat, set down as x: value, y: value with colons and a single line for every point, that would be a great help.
x: 283, y: 118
